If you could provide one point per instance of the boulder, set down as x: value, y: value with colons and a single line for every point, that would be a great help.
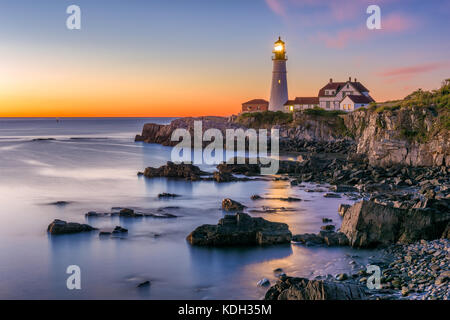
x: 369, y: 224
x: 219, y: 176
x: 330, y: 238
x: 240, y: 229
x: 290, y: 288
x: 328, y: 227
x: 333, y: 239
x: 171, y: 170
x: 308, y: 239
x: 231, y: 205
x: 63, y: 227
x: 129, y: 213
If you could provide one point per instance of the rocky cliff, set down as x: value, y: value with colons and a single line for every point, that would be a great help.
x: 408, y: 136
x: 162, y: 134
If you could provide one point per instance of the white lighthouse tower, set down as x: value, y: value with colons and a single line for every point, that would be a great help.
x: 279, y: 91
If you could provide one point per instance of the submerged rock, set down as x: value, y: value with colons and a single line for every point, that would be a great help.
x: 368, y: 224
x: 60, y: 203
x: 168, y: 195
x: 240, y: 229
x: 129, y: 213
x: 63, y: 227
x: 289, y: 288
x: 231, y: 205
x: 144, y: 284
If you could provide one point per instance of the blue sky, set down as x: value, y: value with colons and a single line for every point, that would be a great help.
x: 146, y: 56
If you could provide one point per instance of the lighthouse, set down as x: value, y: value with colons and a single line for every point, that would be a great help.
x: 279, y: 91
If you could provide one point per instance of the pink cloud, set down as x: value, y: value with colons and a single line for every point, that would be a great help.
x: 413, y: 70
x: 396, y: 23
x: 342, y: 37
x: 277, y: 7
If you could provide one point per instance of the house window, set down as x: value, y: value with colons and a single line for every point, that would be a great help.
x: 279, y: 81
x: 328, y: 104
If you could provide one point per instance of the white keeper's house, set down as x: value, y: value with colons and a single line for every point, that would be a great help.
x: 345, y: 96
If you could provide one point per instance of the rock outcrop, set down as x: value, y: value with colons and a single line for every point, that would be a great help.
x: 369, y: 224
x: 162, y: 134
x: 289, y: 288
x: 171, y: 170
x: 329, y: 238
x: 240, y: 230
x: 63, y: 227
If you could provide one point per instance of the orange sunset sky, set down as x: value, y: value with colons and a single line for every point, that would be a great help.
x: 198, y: 57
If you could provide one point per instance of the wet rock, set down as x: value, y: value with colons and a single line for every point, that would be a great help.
x: 60, y: 203
x: 171, y: 170
x: 168, y: 195
x: 308, y: 239
x: 343, y: 188
x: 129, y: 213
x: 223, y: 177
x: 303, y: 289
x: 256, y: 197
x: 328, y: 227
x: 331, y: 195
x: 231, y: 205
x: 144, y: 284
x: 63, y: 227
x: 119, y: 229
x: 97, y: 214
x: 326, y: 220
x: 240, y: 229
x: 368, y: 224
x: 333, y: 239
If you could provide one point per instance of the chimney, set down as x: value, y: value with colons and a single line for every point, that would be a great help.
x: 350, y: 79
x: 356, y: 80
x: 331, y: 80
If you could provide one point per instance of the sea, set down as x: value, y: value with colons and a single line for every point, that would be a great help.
x: 63, y: 168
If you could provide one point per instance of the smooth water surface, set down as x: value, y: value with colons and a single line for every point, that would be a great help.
x: 93, y: 165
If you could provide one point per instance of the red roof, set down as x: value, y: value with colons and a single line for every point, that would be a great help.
x: 303, y: 100
x: 257, y: 101
x: 360, y: 99
x: 338, y: 85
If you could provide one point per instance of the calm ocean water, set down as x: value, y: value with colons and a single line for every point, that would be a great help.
x: 92, y: 163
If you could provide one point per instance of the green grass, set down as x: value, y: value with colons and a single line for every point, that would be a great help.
x: 266, y: 118
x: 323, y: 113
